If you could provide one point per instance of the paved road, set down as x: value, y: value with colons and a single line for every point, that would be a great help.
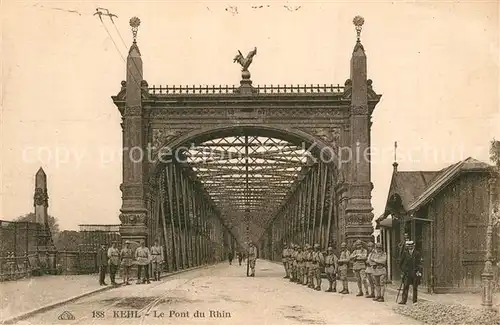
x: 222, y: 294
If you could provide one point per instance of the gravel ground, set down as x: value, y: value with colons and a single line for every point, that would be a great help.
x: 434, y: 313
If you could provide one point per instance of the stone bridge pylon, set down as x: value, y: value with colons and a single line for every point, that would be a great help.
x: 208, y: 168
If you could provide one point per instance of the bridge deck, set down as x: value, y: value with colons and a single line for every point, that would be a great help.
x: 265, y: 299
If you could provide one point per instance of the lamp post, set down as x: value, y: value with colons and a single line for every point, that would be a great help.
x: 487, y: 275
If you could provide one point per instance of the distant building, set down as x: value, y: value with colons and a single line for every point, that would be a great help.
x: 445, y: 213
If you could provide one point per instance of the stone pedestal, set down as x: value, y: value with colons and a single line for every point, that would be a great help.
x: 246, y: 84
x: 487, y: 285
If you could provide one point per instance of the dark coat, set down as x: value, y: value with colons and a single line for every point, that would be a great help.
x: 410, y: 264
x: 102, y: 257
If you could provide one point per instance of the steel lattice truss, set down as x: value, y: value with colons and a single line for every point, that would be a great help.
x: 248, y: 177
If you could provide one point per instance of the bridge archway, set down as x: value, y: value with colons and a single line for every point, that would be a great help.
x: 167, y: 198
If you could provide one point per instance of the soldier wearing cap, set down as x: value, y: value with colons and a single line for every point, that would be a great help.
x: 402, y: 246
x: 358, y: 257
x: 156, y: 260
x: 331, y: 266
x: 343, y: 266
x: 285, y: 258
x: 308, y: 263
x: 318, y: 260
x: 126, y: 262
x: 300, y: 265
x: 293, y: 263
x: 379, y: 262
x: 369, y: 270
x: 252, y: 257
x: 143, y: 258
x: 102, y: 263
x: 114, y: 262
x: 411, y: 268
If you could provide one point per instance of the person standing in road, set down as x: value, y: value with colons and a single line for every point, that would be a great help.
x: 307, y: 263
x: 143, y: 257
x: 126, y: 262
x: 379, y: 262
x: 369, y: 271
x: 343, y: 266
x: 318, y: 260
x: 156, y: 260
x: 331, y: 266
x: 359, y: 256
x: 102, y: 263
x: 230, y: 257
x: 252, y: 257
x: 411, y: 268
x: 301, y: 266
x: 240, y: 257
x: 114, y: 262
x: 285, y: 259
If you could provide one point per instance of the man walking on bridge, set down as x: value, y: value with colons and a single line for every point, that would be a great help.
x: 252, y: 257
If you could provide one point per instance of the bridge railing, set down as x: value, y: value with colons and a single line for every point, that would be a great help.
x: 23, y: 266
x: 231, y: 89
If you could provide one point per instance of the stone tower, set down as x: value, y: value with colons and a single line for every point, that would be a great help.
x: 41, y: 204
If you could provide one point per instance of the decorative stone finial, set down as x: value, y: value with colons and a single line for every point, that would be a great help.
x: 358, y: 22
x: 135, y: 22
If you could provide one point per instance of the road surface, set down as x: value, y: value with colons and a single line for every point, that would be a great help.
x: 222, y: 294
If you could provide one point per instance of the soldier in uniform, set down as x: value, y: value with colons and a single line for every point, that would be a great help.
x: 285, y: 257
x: 308, y: 260
x: 379, y: 262
x: 402, y: 246
x: 343, y: 266
x: 331, y: 265
x: 240, y: 257
x: 143, y: 257
x: 126, y: 262
x: 411, y: 268
x: 102, y: 263
x: 299, y: 257
x: 358, y: 257
x: 156, y: 260
x: 293, y: 263
x: 369, y: 271
x: 252, y: 257
x: 114, y: 262
x: 318, y: 261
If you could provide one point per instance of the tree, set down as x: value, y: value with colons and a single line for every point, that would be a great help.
x: 31, y: 217
x: 495, y: 153
x: 68, y: 240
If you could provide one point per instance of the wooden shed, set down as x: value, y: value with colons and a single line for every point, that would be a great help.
x: 446, y: 213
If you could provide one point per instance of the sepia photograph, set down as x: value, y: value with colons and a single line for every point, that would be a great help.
x: 245, y: 162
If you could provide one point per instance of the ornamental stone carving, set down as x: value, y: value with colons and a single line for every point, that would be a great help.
x: 359, y: 110
x: 133, y: 218
x: 161, y: 136
x: 359, y: 219
x: 330, y: 136
x: 41, y: 197
x: 133, y: 110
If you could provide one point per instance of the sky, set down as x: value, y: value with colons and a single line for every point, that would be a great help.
x: 435, y: 63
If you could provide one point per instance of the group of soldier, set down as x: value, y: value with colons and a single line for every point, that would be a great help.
x: 303, y: 265
x: 125, y: 258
